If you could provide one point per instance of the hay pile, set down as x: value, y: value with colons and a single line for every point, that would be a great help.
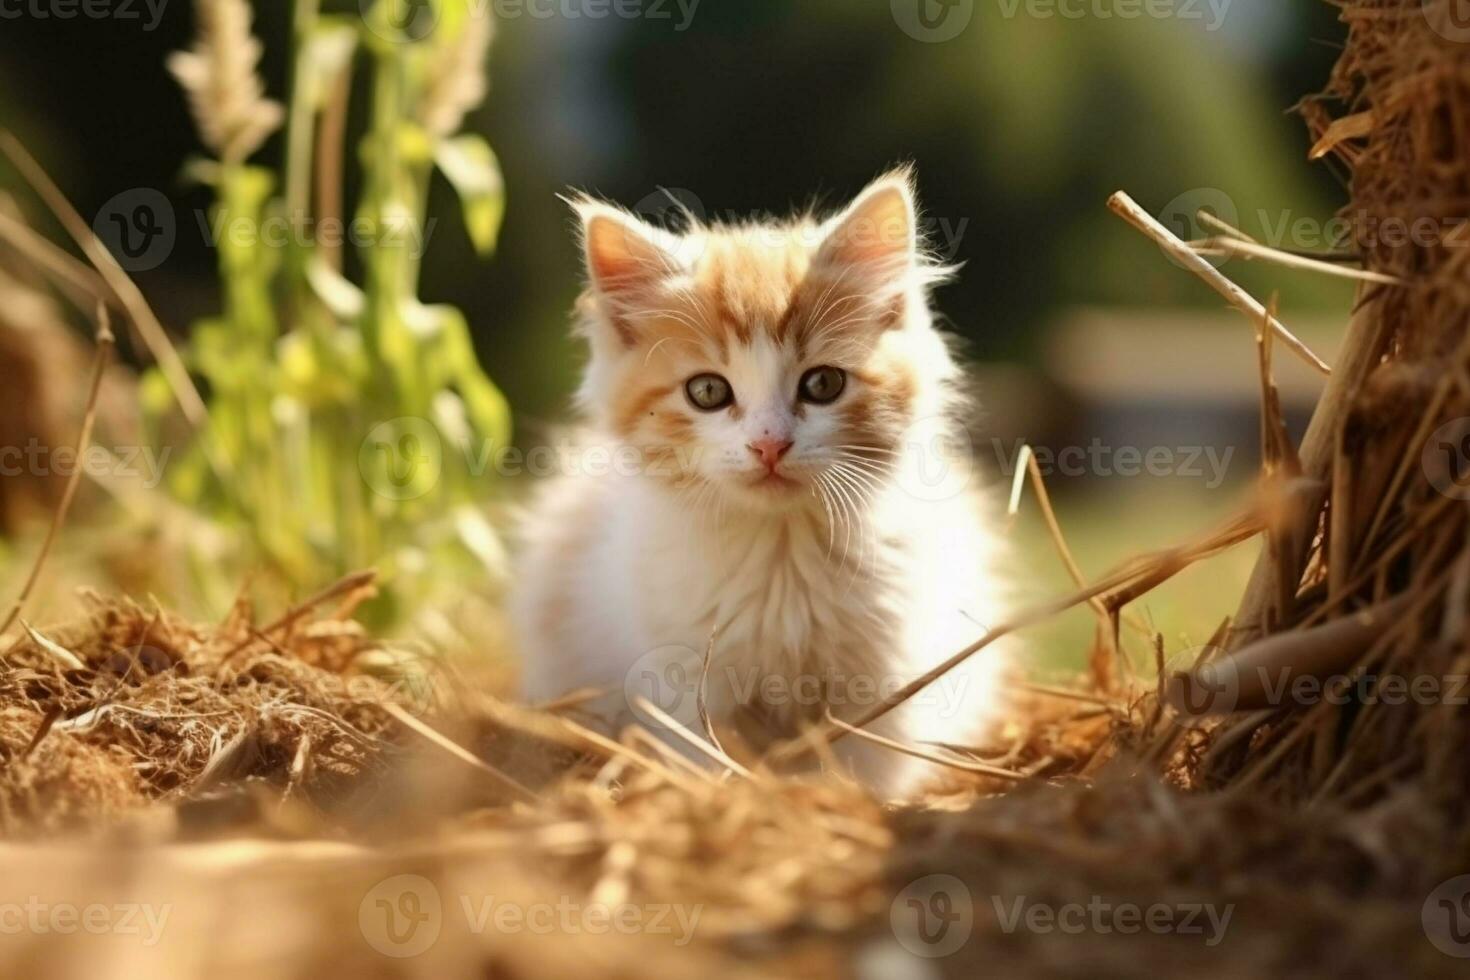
x: 128, y: 706
x: 1322, y: 824
x: 1366, y: 579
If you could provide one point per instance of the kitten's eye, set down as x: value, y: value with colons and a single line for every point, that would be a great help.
x: 708, y: 392
x: 821, y: 385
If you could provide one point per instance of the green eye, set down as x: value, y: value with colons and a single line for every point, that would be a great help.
x: 821, y: 385
x: 709, y: 392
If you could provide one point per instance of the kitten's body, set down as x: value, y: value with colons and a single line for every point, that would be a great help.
x: 850, y: 564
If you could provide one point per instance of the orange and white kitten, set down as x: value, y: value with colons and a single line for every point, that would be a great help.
x: 772, y: 416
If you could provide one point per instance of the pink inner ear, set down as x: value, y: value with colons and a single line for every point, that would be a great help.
x: 619, y: 258
x: 878, y: 229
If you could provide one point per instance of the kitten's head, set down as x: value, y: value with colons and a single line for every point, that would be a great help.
x: 778, y: 362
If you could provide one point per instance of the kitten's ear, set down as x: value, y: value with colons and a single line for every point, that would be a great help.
x: 877, y: 235
x: 624, y: 256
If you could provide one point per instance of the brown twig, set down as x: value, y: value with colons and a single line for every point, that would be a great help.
x: 121, y: 285
x: 684, y: 734
x: 1360, y: 352
x: 343, y: 586
x: 1126, y: 208
x: 964, y: 765
x: 61, y: 266
x: 428, y: 732
x: 100, y: 359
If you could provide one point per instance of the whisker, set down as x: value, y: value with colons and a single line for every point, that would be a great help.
x: 880, y: 469
x: 849, y: 495
x: 891, y: 453
x: 821, y: 495
x: 841, y: 507
x: 863, y: 480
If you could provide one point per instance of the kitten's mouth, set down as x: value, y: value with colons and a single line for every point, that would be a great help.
x: 771, y: 480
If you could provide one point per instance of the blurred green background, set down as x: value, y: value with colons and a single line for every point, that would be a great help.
x: 1020, y: 127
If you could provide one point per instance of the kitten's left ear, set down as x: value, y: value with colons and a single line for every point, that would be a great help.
x: 877, y: 235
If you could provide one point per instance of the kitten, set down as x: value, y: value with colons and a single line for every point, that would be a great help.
x: 767, y: 469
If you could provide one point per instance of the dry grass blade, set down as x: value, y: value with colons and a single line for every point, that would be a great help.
x: 1128, y: 209
x: 428, y: 732
x: 675, y: 727
x: 1291, y: 260
x: 1361, y: 351
x: 1355, y: 126
x: 349, y: 585
x: 65, y: 270
x: 963, y: 765
x: 1109, y: 652
x: 63, y: 657
x: 100, y: 360
x: 124, y: 291
x: 701, y: 696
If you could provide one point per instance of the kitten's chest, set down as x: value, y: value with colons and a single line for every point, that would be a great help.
x: 781, y: 593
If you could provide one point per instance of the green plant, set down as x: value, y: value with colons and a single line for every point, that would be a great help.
x: 314, y: 382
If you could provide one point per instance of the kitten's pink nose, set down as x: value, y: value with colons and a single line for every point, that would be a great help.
x: 770, y: 450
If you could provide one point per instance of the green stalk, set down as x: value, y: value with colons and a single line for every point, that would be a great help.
x: 298, y: 162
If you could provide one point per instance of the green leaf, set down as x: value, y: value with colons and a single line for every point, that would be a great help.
x: 449, y: 361
x: 338, y: 294
x: 470, y: 166
x: 486, y: 407
x: 155, y: 393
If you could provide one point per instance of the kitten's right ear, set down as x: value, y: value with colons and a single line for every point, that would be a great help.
x: 625, y: 257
